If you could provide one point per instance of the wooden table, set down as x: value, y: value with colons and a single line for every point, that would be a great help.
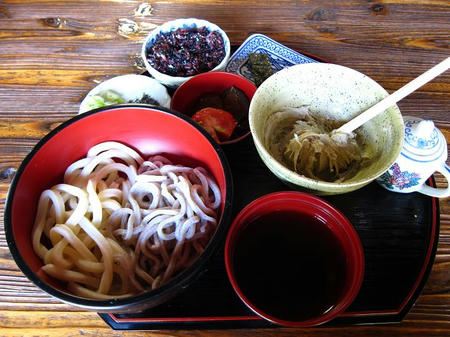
x: 53, y: 52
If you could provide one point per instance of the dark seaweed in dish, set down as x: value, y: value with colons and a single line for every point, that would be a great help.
x: 146, y: 99
x: 261, y: 67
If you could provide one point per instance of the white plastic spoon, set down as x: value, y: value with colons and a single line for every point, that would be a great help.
x: 390, y: 100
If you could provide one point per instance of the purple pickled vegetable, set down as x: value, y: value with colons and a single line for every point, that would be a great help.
x: 186, y: 51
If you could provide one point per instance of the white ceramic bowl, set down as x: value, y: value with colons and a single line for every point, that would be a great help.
x: 130, y: 87
x: 334, y: 92
x: 174, y: 81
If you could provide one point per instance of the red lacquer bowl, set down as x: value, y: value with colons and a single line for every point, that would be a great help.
x: 149, y: 131
x: 213, y: 82
x: 307, y: 206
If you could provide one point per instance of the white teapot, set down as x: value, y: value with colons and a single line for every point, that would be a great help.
x: 424, y: 152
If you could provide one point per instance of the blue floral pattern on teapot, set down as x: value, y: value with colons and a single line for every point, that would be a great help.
x: 424, y: 152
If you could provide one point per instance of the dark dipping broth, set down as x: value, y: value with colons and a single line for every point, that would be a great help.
x: 289, y: 265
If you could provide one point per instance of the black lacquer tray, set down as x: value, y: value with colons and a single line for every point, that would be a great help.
x: 399, y: 234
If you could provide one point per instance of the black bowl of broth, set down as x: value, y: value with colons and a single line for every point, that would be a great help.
x: 294, y: 259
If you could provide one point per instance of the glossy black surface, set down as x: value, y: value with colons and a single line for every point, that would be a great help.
x: 399, y: 234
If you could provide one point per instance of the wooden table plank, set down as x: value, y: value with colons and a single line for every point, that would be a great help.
x: 52, y: 53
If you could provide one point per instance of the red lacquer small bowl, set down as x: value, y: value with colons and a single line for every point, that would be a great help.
x: 214, y: 82
x: 305, y: 206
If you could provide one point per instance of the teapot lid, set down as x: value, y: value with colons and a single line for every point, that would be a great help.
x: 422, y: 138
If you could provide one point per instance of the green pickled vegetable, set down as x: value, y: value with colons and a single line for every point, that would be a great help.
x: 104, y: 98
x: 261, y: 67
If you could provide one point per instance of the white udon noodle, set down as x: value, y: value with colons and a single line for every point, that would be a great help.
x: 119, y: 224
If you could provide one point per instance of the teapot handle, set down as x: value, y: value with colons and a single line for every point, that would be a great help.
x: 444, y: 169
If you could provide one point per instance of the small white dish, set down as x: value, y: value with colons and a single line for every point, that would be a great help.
x: 130, y: 87
x: 280, y: 56
x: 175, y: 81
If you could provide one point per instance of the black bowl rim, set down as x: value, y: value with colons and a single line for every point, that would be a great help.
x: 156, y: 296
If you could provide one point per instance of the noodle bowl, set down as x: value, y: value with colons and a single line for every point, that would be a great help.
x: 119, y: 224
x: 68, y: 157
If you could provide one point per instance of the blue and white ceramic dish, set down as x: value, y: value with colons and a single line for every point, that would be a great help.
x: 280, y: 56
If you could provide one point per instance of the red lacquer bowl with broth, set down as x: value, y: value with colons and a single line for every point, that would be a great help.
x: 186, y: 98
x: 145, y: 130
x: 294, y: 259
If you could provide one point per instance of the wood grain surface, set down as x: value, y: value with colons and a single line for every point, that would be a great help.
x: 53, y: 52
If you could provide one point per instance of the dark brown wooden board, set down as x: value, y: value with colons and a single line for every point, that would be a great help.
x: 399, y: 234
x: 54, y: 52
